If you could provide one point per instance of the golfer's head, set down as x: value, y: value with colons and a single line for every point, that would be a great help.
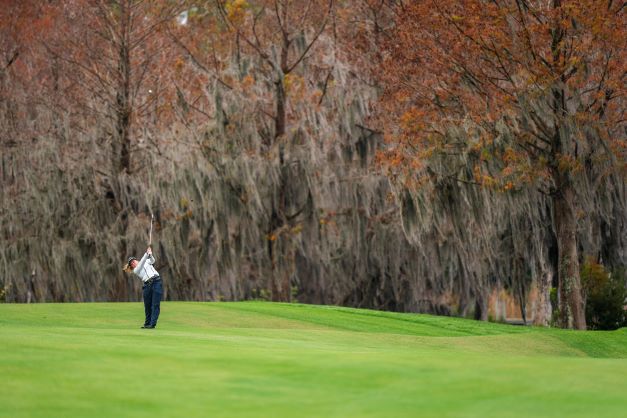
x: 132, y: 262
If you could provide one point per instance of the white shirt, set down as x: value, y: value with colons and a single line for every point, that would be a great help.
x: 144, y: 268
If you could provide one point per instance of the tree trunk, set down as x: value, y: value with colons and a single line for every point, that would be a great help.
x: 569, y: 291
x: 279, y: 123
x: 122, y: 141
x: 542, y: 312
x: 481, y: 305
x: 570, y: 302
x: 280, y: 284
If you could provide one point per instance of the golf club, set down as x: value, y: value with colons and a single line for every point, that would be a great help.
x: 152, y: 217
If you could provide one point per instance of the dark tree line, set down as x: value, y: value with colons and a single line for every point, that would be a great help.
x: 259, y: 136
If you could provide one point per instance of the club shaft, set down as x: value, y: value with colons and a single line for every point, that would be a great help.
x: 150, y: 234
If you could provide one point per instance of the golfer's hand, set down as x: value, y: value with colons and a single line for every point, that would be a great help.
x: 149, y: 251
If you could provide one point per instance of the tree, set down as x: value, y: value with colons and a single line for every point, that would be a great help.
x: 114, y: 52
x: 538, y: 87
x: 281, y: 35
x: 111, y: 54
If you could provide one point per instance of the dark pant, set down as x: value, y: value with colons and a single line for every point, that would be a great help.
x: 152, y: 301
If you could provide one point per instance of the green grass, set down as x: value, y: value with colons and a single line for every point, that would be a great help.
x: 258, y: 359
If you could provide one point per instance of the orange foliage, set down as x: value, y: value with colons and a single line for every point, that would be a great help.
x: 453, y: 62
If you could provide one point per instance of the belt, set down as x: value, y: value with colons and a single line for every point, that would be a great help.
x: 152, y: 279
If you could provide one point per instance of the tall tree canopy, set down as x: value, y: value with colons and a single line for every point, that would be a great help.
x: 538, y: 86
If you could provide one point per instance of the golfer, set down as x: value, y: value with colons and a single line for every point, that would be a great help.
x: 152, y: 289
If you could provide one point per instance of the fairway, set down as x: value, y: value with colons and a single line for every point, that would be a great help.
x: 259, y: 359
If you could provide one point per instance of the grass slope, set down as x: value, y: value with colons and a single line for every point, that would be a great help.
x: 256, y: 359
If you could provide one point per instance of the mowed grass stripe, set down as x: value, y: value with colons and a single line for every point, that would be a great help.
x: 256, y: 359
x: 349, y: 319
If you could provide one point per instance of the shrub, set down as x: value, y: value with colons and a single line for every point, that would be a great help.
x: 606, y: 293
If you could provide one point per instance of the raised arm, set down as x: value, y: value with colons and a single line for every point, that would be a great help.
x: 140, y: 265
x: 151, y: 258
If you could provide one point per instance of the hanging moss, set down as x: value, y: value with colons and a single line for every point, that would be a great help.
x: 234, y: 220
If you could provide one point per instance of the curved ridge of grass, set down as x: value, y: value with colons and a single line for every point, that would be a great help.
x: 353, y: 319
